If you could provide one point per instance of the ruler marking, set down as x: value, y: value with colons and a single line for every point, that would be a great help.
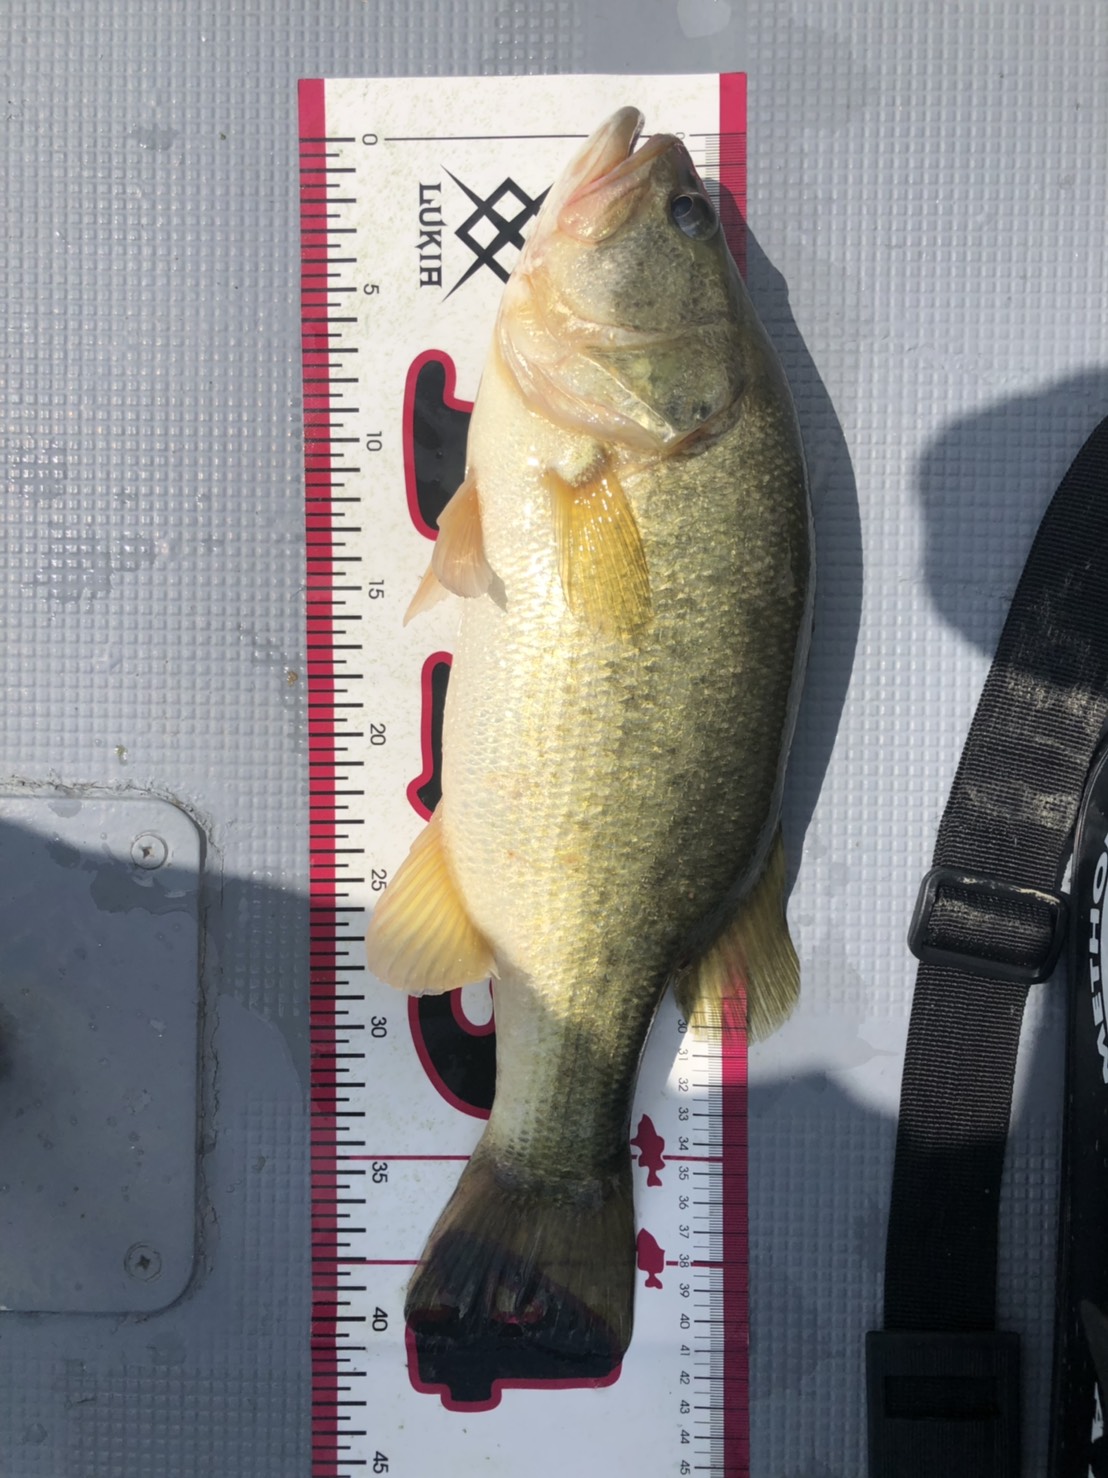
x: 715, y: 1260
x: 320, y: 463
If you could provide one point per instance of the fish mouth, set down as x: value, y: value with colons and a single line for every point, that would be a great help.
x: 608, y: 147
x: 608, y: 174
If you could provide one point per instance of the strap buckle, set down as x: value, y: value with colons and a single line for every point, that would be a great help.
x: 943, y: 1403
x: 1030, y: 970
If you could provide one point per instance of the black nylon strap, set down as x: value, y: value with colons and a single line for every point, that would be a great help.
x: 1078, y: 1448
x: 1009, y: 819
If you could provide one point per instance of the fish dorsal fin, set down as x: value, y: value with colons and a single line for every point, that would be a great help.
x: 752, y: 955
x: 459, y: 559
x: 420, y: 938
x: 601, y: 558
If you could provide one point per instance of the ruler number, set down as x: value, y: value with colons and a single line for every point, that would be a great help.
x: 684, y: 1468
x: 683, y: 1172
x: 369, y: 138
x: 685, y: 1408
x: 378, y: 1026
x: 380, y: 1172
x: 682, y: 1085
x: 682, y: 1113
x: 685, y: 1439
x: 377, y: 734
x: 376, y: 589
x: 380, y: 1463
x: 683, y: 1288
x: 373, y: 441
x: 380, y: 1321
x: 682, y: 1025
x: 378, y: 877
x: 371, y: 288
x: 686, y: 1378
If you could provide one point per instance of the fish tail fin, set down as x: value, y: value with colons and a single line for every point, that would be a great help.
x: 525, y: 1279
x: 752, y: 957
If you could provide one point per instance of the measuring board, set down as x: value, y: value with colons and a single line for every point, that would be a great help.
x: 416, y: 195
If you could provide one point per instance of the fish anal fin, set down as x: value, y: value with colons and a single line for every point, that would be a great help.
x: 752, y: 957
x: 420, y: 938
x: 459, y: 559
x: 601, y: 558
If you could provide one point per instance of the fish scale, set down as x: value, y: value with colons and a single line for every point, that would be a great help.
x: 386, y: 1148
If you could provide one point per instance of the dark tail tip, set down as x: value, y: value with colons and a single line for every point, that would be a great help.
x: 468, y: 1347
x: 524, y: 1283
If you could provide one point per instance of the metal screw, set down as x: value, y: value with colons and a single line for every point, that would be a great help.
x: 148, y: 851
x: 143, y: 1262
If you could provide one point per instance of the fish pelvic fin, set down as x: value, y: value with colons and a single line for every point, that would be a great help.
x: 458, y: 565
x: 601, y: 558
x: 459, y: 559
x: 421, y: 938
x: 526, y: 1278
x: 430, y: 592
x: 751, y: 957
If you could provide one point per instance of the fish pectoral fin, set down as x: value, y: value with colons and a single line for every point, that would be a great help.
x: 430, y: 592
x: 601, y: 558
x: 459, y: 559
x: 420, y: 938
x: 752, y: 956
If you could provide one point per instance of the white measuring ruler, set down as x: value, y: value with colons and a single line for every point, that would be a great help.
x: 415, y: 197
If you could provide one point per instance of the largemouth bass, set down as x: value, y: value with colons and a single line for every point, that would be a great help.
x: 633, y: 542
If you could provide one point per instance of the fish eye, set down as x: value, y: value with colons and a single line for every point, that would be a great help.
x: 695, y: 215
